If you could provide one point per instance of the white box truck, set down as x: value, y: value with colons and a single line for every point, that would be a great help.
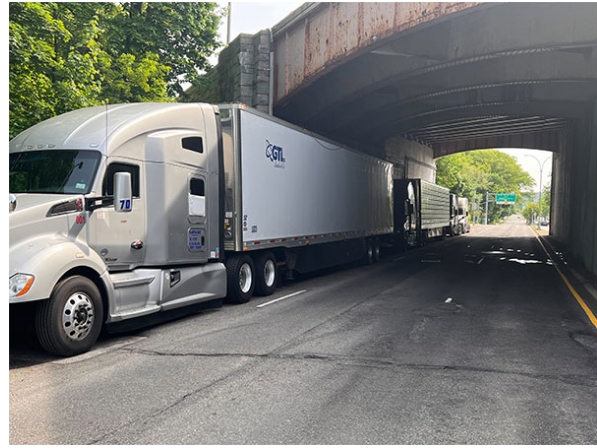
x: 121, y: 211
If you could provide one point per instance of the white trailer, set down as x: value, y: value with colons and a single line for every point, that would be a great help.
x: 288, y: 189
x: 126, y: 210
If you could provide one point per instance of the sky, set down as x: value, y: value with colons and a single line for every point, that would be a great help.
x: 531, y: 161
x: 252, y: 17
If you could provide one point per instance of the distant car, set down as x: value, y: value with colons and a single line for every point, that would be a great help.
x: 544, y: 223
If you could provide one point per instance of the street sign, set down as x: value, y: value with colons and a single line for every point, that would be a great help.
x: 505, y: 199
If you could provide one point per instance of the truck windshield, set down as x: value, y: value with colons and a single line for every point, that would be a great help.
x: 61, y: 172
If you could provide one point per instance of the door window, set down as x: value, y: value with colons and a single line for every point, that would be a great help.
x: 197, y: 197
x: 113, y: 168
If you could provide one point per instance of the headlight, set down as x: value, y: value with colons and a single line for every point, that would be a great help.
x: 19, y: 284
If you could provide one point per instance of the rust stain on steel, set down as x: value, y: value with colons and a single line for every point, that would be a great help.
x: 308, y: 54
x: 294, y: 56
x: 343, y: 29
x: 286, y: 63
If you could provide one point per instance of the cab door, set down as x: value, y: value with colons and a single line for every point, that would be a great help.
x: 119, y: 238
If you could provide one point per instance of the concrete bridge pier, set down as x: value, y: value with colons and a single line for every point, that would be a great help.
x: 242, y: 74
x: 574, y: 189
x: 410, y: 159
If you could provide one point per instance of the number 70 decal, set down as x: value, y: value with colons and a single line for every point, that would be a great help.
x: 125, y: 205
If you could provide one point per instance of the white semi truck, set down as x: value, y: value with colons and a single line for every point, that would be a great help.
x: 459, y: 224
x: 462, y: 221
x: 422, y: 212
x: 121, y: 211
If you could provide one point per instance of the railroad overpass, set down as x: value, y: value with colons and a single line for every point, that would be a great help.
x: 410, y: 82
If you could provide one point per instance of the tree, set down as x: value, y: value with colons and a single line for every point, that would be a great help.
x: 472, y: 174
x: 51, y: 68
x: 63, y: 56
x: 180, y: 35
x: 546, y: 201
x: 530, y: 212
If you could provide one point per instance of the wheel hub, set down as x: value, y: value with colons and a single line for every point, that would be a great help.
x: 78, y: 316
x: 245, y: 278
x: 269, y: 273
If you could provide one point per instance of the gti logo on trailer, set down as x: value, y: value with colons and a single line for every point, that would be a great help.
x: 275, y: 154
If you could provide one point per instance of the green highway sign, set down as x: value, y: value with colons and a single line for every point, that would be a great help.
x: 505, y: 199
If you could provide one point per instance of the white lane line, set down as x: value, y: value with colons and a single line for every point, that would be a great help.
x: 449, y: 300
x: 282, y: 298
x: 399, y: 258
x: 481, y: 260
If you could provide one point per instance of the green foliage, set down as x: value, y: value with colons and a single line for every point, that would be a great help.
x: 472, y: 174
x: 49, y: 73
x: 135, y: 80
x: 183, y: 34
x: 530, y: 211
x: 535, y: 208
x: 546, y: 201
x: 66, y: 55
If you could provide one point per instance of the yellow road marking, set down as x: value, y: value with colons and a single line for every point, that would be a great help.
x: 576, y: 295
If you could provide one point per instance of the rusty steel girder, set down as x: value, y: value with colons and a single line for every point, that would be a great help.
x: 320, y: 35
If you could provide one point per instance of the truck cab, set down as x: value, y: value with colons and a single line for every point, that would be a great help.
x: 109, y: 217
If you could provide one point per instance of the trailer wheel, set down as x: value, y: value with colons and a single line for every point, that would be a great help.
x: 267, y: 274
x: 375, y: 250
x: 70, y: 321
x: 369, y: 252
x: 240, y: 271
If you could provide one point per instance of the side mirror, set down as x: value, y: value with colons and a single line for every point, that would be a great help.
x: 123, y: 193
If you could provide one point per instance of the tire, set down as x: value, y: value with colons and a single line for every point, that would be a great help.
x: 375, y: 250
x: 240, y: 272
x: 70, y: 321
x: 266, y: 270
x: 369, y: 253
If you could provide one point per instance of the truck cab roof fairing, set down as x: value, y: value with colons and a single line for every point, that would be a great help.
x: 105, y: 128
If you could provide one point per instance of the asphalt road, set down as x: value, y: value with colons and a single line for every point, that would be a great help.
x: 471, y: 340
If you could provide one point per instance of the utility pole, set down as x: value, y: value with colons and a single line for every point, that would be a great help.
x: 486, y: 205
x: 228, y: 23
x: 541, y: 165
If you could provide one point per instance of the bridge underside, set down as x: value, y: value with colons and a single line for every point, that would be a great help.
x: 490, y: 75
x: 454, y: 77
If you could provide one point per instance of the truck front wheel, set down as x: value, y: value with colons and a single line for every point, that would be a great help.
x: 240, y: 272
x: 70, y: 321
